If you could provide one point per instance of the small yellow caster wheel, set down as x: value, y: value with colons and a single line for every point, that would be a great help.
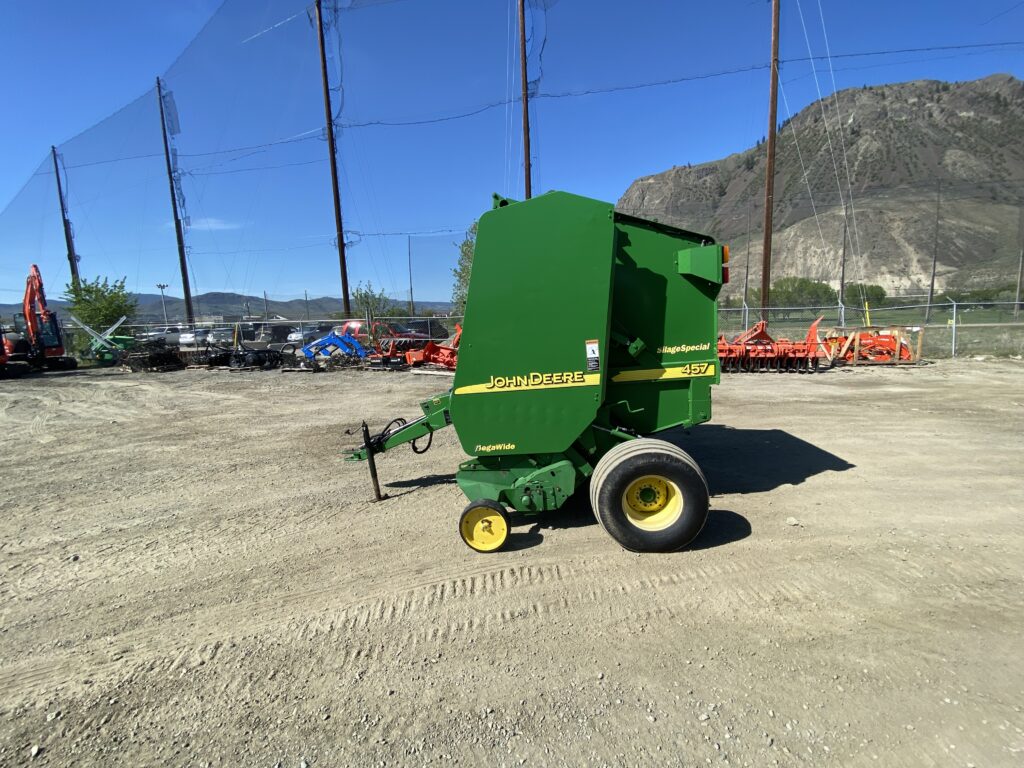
x: 484, y: 526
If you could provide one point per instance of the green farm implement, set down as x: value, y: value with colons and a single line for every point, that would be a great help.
x: 631, y: 352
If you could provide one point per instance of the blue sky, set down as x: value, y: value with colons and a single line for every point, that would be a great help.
x: 255, y: 176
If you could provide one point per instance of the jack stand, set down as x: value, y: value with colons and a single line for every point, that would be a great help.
x: 373, y: 465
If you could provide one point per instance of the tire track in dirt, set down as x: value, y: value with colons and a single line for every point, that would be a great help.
x: 157, y: 651
x: 393, y: 617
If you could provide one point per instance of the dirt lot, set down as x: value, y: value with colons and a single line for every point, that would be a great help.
x: 191, y: 576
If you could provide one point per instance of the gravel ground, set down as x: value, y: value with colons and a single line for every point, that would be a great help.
x: 191, y: 576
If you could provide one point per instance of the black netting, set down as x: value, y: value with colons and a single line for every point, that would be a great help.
x: 426, y: 104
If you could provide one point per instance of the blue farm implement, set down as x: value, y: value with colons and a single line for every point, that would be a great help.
x: 328, y: 352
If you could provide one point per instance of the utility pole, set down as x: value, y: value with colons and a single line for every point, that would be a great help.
x: 306, y: 294
x: 266, y: 308
x: 746, y: 269
x: 412, y: 302
x: 1020, y: 262
x: 333, y: 150
x: 190, y: 317
x: 526, y: 101
x: 769, y: 179
x: 842, y: 274
x: 842, y: 263
x: 69, y: 237
x: 935, y: 251
x: 163, y: 305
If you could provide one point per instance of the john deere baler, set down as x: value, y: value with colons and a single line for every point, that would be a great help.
x: 628, y: 349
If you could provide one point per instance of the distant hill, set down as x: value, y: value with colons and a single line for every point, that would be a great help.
x: 904, y: 144
x: 231, y: 306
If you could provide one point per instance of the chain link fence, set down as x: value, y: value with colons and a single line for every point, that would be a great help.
x: 282, y: 329
x: 949, y: 329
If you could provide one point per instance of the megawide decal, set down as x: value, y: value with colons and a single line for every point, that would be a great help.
x: 533, y: 381
x: 495, y: 447
x: 688, y: 371
x: 705, y: 347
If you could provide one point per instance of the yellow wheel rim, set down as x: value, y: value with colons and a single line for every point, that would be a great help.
x: 483, y: 529
x: 652, y: 503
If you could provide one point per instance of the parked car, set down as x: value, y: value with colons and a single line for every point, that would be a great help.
x: 248, y: 331
x: 384, y: 332
x: 196, y: 338
x: 274, y: 334
x: 169, y: 334
x: 431, y: 327
x: 308, y: 334
x: 221, y: 336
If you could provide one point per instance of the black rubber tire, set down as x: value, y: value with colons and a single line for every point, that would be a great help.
x: 492, y: 505
x: 636, y: 458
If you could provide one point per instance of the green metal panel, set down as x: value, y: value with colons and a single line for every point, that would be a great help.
x: 703, y: 262
x: 532, y: 359
x: 666, y: 284
x: 526, y: 483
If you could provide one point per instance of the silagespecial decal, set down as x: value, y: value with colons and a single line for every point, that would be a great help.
x: 673, y: 350
x: 495, y: 447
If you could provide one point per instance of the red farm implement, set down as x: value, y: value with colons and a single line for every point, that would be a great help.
x: 755, y: 350
x: 867, y: 346
x: 444, y: 355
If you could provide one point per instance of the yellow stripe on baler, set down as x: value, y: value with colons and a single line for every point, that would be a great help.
x: 532, y: 381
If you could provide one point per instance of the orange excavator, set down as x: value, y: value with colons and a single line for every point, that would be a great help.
x: 3, y: 352
x: 38, y: 340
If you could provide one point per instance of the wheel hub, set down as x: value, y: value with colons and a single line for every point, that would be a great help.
x: 483, y: 529
x: 652, y: 502
x: 647, y: 494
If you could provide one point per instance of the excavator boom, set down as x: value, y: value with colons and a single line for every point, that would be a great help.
x: 42, y: 329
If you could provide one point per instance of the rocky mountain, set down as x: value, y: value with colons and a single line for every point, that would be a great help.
x: 901, y: 156
x: 231, y: 306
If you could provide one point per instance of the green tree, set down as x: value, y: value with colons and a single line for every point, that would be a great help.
x: 462, y: 271
x: 100, y: 303
x: 802, y: 292
x: 366, y: 300
x: 858, y: 293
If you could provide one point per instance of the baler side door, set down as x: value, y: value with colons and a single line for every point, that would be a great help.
x: 544, y: 264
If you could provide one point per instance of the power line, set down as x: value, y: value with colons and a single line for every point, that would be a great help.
x: 448, y: 231
x: 1002, y: 13
x: 807, y: 181
x: 231, y: 150
x: 504, y: 103
x: 256, y: 168
x: 891, y: 64
x: 824, y: 119
x: 893, y: 51
x: 348, y: 232
x: 846, y: 162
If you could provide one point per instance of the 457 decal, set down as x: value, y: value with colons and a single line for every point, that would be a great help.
x: 695, y: 370
x: 687, y: 371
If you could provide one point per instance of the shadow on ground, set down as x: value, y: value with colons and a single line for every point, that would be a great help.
x: 422, y: 482
x: 723, y: 526
x: 753, y: 460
